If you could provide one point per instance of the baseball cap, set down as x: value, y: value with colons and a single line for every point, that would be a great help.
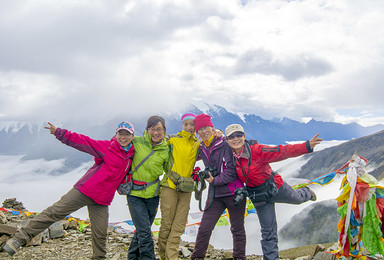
x: 233, y: 128
x: 125, y: 126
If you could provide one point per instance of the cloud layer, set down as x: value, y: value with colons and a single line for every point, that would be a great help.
x: 94, y: 59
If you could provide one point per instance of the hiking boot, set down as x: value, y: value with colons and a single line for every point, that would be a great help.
x: 313, y: 197
x: 12, y: 246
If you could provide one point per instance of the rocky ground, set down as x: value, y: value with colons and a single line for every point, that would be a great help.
x: 64, y: 241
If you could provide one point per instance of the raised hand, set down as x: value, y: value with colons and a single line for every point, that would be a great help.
x: 51, y: 128
x: 315, y: 141
x: 218, y: 133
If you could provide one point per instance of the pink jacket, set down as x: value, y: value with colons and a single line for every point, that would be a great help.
x: 101, y: 181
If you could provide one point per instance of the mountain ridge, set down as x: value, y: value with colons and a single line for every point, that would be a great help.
x: 370, y: 147
x: 33, y: 141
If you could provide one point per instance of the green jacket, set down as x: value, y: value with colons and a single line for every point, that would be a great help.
x: 152, y: 168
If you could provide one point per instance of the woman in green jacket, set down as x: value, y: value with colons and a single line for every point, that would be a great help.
x: 174, y: 199
x: 143, y: 200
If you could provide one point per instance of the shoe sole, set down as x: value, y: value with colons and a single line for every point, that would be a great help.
x: 12, y: 246
x: 9, y: 250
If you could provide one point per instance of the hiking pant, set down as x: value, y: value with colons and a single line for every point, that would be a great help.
x: 174, y: 206
x: 143, y: 213
x: 68, y: 204
x: 208, y: 223
x: 267, y: 217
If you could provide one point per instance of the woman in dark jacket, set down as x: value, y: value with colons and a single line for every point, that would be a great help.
x: 223, y: 181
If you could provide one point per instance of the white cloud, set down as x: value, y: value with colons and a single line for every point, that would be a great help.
x: 37, y: 184
x: 273, y: 58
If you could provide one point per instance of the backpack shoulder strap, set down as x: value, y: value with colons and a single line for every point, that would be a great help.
x: 143, y: 161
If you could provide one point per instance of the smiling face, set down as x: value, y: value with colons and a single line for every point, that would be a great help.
x: 236, y: 141
x: 124, y: 137
x: 189, y: 126
x: 205, y: 132
x: 156, y: 132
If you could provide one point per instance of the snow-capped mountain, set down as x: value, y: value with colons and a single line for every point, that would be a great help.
x: 33, y: 141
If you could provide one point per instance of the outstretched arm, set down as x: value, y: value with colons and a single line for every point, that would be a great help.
x: 96, y: 148
x: 268, y: 154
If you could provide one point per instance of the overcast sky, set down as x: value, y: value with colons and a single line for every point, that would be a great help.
x: 92, y: 59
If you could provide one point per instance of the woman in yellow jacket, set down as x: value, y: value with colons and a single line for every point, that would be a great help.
x: 174, y: 203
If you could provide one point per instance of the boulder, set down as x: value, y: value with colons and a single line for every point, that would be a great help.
x: 12, y: 203
x: 185, y: 251
x: 319, y: 248
x: 324, y: 256
x: 56, y: 230
x: 3, y: 218
x: 36, y: 241
x: 8, y: 230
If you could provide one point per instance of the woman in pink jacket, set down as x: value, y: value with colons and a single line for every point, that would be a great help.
x: 95, y: 189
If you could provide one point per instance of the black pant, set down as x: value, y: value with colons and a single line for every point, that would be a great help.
x: 208, y: 223
x: 143, y: 213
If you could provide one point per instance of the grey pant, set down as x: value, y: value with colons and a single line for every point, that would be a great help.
x: 68, y: 204
x: 267, y: 217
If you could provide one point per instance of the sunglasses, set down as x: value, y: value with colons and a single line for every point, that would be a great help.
x: 237, y: 134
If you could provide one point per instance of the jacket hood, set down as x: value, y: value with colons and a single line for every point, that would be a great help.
x: 187, y: 135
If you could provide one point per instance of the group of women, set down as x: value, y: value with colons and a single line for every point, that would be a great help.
x: 232, y: 162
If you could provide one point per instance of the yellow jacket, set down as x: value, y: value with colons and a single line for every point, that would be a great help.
x: 184, y: 147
